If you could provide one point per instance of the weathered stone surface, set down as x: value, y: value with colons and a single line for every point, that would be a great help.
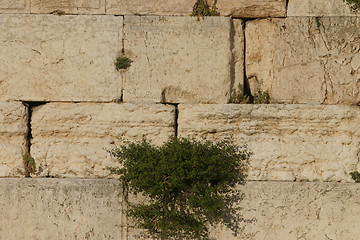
x: 305, y: 59
x: 230, y: 8
x: 92, y: 209
x: 60, y: 209
x: 289, y: 142
x: 14, y: 6
x: 70, y: 140
x: 252, y: 8
x: 59, y: 58
x: 178, y: 59
x: 68, y: 6
x: 149, y: 7
x: 13, y: 133
x: 319, y: 8
x: 303, y: 210
x: 237, y: 68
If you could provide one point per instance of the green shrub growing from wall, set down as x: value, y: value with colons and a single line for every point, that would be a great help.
x: 189, y: 184
x: 122, y: 62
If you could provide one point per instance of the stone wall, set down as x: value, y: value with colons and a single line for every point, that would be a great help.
x: 63, y: 101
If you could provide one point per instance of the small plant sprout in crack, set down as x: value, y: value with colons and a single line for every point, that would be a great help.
x: 261, y: 97
x: 202, y: 8
x: 29, y: 164
x: 353, y: 4
x: 238, y: 98
x: 258, y: 98
x: 355, y: 176
x: 122, y: 62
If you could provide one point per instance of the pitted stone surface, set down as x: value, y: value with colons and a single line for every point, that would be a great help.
x: 71, y: 140
x: 59, y: 58
x: 14, y: 6
x: 68, y: 6
x: 305, y: 59
x: 300, y: 210
x: 319, y: 8
x: 178, y: 59
x: 13, y: 133
x: 289, y: 142
x: 60, y: 209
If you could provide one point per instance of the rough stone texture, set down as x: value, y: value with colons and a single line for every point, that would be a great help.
x: 298, y: 211
x: 178, y: 59
x: 70, y: 140
x: 252, y: 8
x: 68, y: 6
x: 13, y: 133
x: 305, y: 59
x: 237, y: 67
x: 289, y: 142
x: 59, y: 58
x: 14, y: 6
x: 319, y: 8
x: 149, y: 7
x: 60, y: 209
x: 233, y: 8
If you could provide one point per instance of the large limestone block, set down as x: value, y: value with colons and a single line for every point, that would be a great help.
x: 13, y: 134
x: 178, y: 59
x: 14, y: 6
x: 60, y: 209
x: 230, y: 8
x: 59, y: 58
x: 284, y: 210
x: 68, y: 6
x: 149, y: 7
x: 252, y: 8
x: 71, y: 140
x: 289, y: 142
x: 305, y: 59
x: 319, y: 8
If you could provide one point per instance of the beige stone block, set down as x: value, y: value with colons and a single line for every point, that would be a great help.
x: 252, y: 8
x: 14, y: 6
x: 319, y: 8
x: 178, y: 59
x: 230, y: 8
x: 150, y: 7
x: 301, y: 210
x: 13, y: 134
x: 305, y: 59
x: 59, y: 58
x: 60, y: 209
x: 237, y: 66
x: 71, y: 140
x: 68, y: 6
x: 289, y: 142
